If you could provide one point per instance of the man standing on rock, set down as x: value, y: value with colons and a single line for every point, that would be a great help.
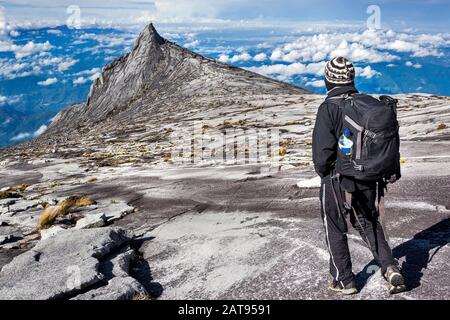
x: 342, y: 151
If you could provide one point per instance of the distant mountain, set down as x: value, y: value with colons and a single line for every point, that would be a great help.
x: 157, y: 77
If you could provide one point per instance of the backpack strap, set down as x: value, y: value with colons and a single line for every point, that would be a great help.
x: 381, y: 186
x: 337, y: 194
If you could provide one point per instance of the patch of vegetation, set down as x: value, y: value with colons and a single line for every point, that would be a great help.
x: 22, y: 187
x: 55, y: 184
x: 442, y: 126
x: 282, y: 151
x: 141, y: 297
x: 13, y: 192
x: 166, y: 157
x: 227, y: 125
x: 9, y: 194
x: 50, y: 213
x: 233, y: 124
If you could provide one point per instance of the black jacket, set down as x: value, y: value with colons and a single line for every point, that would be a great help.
x: 327, y: 131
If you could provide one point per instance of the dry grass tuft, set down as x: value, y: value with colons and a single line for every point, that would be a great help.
x: 9, y: 194
x: 54, y: 184
x: 442, y: 126
x: 50, y: 213
x: 22, y: 187
x: 49, y: 216
x: 227, y: 125
x: 283, y: 151
x: 84, y: 202
x: 141, y: 297
x: 13, y: 192
x: 167, y: 157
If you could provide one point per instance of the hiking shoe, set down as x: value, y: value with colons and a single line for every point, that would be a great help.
x: 348, y: 289
x: 396, y: 282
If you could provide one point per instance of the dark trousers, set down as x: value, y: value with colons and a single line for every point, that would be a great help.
x: 364, y: 218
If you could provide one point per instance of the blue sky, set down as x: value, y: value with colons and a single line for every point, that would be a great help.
x: 425, y: 14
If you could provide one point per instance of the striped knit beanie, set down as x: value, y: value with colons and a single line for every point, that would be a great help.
x: 340, y: 71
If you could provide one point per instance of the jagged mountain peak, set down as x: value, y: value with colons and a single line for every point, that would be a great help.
x: 148, y: 41
x: 157, y: 75
x: 150, y: 34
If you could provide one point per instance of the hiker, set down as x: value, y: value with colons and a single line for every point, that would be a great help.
x: 355, y: 161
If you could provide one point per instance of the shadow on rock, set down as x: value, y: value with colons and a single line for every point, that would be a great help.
x: 141, y: 271
x: 420, y: 250
x: 418, y: 253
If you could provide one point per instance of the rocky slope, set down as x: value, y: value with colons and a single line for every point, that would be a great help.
x: 159, y: 224
x: 156, y: 84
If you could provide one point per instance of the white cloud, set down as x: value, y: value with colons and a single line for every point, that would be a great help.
x: 61, y: 64
x: 224, y: 58
x: 281, y: 69
x: 413, y: 65
x: 319, y: 47
x: 51, y: 61
x: 25, y: 50
x: 9, y: 100
x: 40, y: 131
x: 65, y: 65
x: 370, y: 46
x: 317, y: 83
x: 11, y: 70
x: 14, y: 33
x: 6, y: 122
x: 27, y: 135
x: 367, y: 72
x: 54, y: 31
x: 89, y: 72
x: 94, y: 76
x: 241, y: 57
x: 83, y: 80
x: 192, y: 44
x: 21, y: 136
x: 260, y: 57
x: 285, y: 71
x: 236, y: 58
x: 109, y: 40
x: 80, y: 80
x: 48, y: 82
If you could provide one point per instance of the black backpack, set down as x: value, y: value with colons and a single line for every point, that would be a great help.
x: 374, y: 131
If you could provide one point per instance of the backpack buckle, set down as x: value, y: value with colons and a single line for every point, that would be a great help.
x: 358, y: 167
x: 370, y: 134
